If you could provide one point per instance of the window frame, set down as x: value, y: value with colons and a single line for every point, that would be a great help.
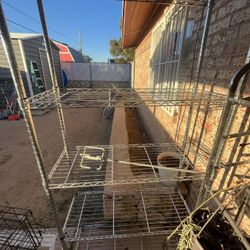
x: 167, y: 42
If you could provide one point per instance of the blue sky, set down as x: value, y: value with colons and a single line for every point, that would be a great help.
x: 98, y: 21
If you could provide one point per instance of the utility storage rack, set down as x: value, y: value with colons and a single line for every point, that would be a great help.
x: 18, y: 229
x: 120, y: 190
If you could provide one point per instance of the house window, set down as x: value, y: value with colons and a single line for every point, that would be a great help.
x: 168, y: 42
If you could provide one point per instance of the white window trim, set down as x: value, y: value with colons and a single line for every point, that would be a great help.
x: 26, y: 68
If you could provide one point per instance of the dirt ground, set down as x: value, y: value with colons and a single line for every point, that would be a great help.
x: 136, y: 130
x: 20, y: 182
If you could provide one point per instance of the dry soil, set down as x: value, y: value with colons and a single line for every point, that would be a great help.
x: 20, y: 182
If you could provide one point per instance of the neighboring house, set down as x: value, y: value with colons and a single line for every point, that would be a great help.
x: 68, y: 54
x: 167, y: 41
x: 32, y: 62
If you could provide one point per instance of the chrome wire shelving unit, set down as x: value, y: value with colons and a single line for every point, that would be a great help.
x: 119, y: 97
x: 132, y: 202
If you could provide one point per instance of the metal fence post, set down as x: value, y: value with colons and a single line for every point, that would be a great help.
x: 90, y: 75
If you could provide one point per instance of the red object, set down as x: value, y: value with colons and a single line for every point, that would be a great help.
x: 13, y: 117
x: 64, y: 52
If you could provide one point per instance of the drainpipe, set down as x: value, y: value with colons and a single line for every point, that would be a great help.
x: 25, y: 109
x: 52, y: 70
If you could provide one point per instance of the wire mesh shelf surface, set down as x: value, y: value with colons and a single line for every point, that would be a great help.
x: 135, y: 243
x: 18, y: 229
x: 89, y: 166
x: 127, y: 213
x: 124, y: 97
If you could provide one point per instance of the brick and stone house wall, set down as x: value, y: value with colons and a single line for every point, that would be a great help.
x: 226, y: 50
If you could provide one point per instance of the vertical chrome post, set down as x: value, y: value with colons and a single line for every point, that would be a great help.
x: 52, y: 70
x: 183, y: 110
x: 199, y: 66
x: 183, y: 35
x: 25, y: 109
x: 167, y: 57
x: 159, y: 58
x: 180, y: 59
x: 176, y: 16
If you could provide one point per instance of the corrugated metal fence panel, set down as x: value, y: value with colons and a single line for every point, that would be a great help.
x: 109, y: 72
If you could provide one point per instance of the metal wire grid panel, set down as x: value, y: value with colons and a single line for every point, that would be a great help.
x: 135, y: 243
x: 89, y: 166
x: 17, y: 229
x: 120, y: 214
x: 123, y: 97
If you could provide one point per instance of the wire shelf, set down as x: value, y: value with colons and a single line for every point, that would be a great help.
x: 18, y: 229
x: 135, y: 243
x: 120, y: 214
x: 91, y: 166
x: 124, y: 97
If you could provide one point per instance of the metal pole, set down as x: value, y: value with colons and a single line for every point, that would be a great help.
x: 183, y: 35
x: 80, y: 43
x: 90, y: 75
x: 52, y: 70
x: 25, y: 108
x: 199, y: 66
x: 181, y: 117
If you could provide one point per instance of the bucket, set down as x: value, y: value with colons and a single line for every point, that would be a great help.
x: 170, y: 160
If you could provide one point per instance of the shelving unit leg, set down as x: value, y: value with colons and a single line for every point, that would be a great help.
x: 27, y: 115
x: 55, y: 86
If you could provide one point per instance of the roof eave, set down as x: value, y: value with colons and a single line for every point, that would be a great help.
x: 136, y: 17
